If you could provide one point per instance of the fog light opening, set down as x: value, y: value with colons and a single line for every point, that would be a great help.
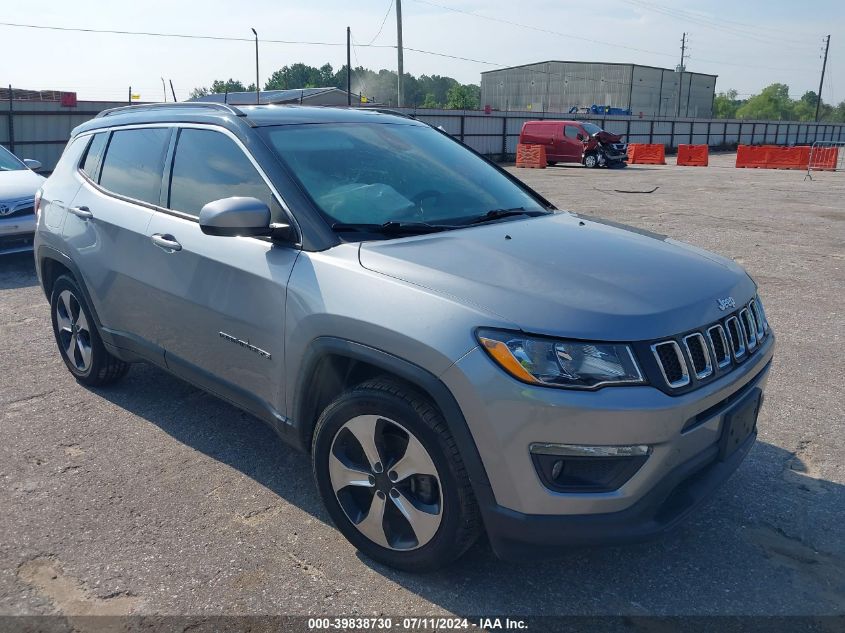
x: 587, y: 469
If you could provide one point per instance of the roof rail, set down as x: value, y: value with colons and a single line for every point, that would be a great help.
x: 179, y: 104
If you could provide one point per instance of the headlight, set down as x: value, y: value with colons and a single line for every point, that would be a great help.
x: 559, y: 363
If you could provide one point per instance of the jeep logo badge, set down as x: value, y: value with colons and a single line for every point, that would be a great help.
x: 727, y: 302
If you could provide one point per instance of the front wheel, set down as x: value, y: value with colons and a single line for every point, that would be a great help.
x: 391, y: 477
x: 591, y: 161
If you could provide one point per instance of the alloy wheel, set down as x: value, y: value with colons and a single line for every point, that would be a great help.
x: 386, y: 482
x: 73, y: 331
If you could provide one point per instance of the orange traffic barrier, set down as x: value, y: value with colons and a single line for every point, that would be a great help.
x: 646, y: 154
x: 803, y: 152
x: 751, y: 156
x: 783, y: 158
x: 693, y: 155
x: 533, y: 156
x: 824, y: 158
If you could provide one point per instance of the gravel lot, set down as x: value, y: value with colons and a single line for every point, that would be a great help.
x: 154, y: 498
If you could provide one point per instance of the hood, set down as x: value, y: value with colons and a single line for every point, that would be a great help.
x: 607, y: 137
x: 18, y: 184
x: 567, y: 276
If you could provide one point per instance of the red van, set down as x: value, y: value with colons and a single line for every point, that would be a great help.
x: 576, y: 142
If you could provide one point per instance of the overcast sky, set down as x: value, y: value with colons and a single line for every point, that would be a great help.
x: 748, y: 44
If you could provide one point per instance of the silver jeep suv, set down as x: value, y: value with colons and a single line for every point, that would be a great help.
x: 457, y: 355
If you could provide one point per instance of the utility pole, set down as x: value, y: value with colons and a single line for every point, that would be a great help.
x: 399, y: 51
x: 257, y: 88
x: 348, y: 66
x: 681, y: 69
x: 821, y: 81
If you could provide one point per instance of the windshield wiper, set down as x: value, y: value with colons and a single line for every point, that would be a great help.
x: 496, y: 214
x: 393, y: 227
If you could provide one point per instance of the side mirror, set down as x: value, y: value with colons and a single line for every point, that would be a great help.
x: 235, y: 216
x: 581, y: 137
x: 33, y: 164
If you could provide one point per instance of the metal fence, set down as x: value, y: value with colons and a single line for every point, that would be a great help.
x: 496, y: 134
x: 826, y: 156
x: 40, y: 129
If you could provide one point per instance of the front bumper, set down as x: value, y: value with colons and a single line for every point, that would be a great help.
x: 16, y: 234
x: 517, y: 536
x: 523, y: 515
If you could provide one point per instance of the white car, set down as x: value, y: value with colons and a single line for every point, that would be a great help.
x: 18, y: 184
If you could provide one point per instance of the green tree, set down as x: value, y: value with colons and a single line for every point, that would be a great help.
x: 773, y: 103
x: 838, y: 113
x: 429, y: 101
x: 805, y: 108
x: 220, y: 86
x: 462, y: 97
x: 725, y: 104
x: 301, y: 76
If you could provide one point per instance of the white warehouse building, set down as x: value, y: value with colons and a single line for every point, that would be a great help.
x: 560, y: 86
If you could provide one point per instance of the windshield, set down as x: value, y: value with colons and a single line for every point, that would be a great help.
x: 375, y: 173
x: 591, y: 128
x: 9, y: 162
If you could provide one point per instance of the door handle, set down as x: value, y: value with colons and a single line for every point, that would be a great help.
x: 166, y: 242
x: 81, y: 212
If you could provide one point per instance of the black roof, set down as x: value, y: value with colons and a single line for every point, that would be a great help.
x: 254, y: 115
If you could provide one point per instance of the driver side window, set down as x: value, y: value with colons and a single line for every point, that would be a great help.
x: 571, y: 131
x: 208, y: 166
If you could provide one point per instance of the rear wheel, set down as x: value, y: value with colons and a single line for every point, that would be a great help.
x: 392, y: 479
x: 77, y: 337
x: 551, y: 163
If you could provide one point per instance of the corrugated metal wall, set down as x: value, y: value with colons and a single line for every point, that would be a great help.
x: 559, y: 86
x: 42, y: 128
x: 497, y: 134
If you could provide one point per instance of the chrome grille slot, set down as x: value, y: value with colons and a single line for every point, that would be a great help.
x: 749, y: 328
x: 735, y: 337
x: 672, y: 364
x: 758, y: 318
x: 719, y: 343
x: 699, y: 355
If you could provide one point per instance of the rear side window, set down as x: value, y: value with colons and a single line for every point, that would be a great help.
x: 571, y: 131
x: 134, y: 162
x: 94, y: 155
x: 209, y: 166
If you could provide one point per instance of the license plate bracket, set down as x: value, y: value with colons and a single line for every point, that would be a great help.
x: 739, y: 422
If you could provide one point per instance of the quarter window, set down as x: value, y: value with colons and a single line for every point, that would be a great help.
x: 94, y: 155
x: 134, y: 162
x: 209, y: 166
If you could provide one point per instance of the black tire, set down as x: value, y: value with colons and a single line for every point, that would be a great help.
x: 551, y: 163
x: 459, y: 524
x: 591, y: 160
x: 101, y: 367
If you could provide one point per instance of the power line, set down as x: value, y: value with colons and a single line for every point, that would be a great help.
x: 384, y: 20
x: 714, y: 24
x: 542, y: 30
x: 175, y: 35
x: 615, y: 45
